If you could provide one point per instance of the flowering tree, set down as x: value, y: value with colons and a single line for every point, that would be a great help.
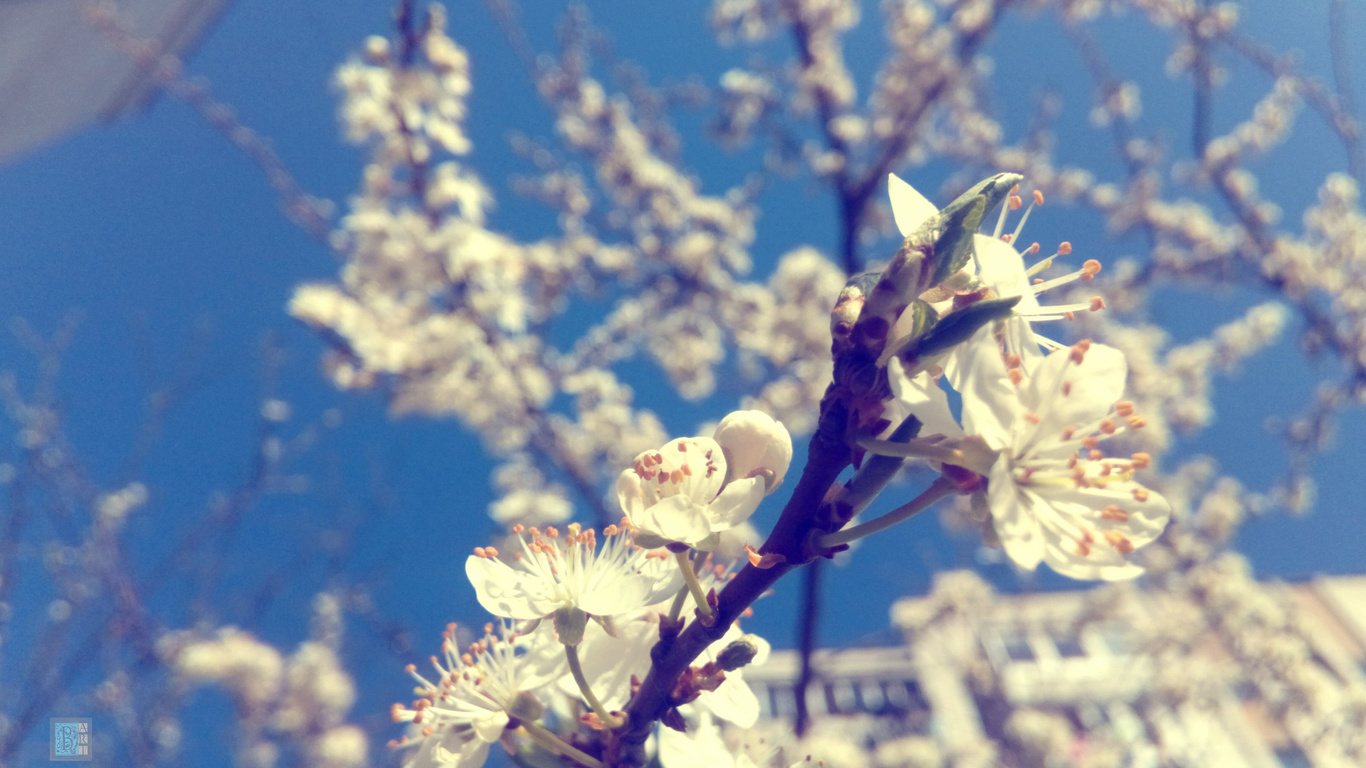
x: 1031, y: 397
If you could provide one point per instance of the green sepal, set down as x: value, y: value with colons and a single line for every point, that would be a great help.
x: 959, y: 326
x: 608, y: 625
x: 993, y: 190
x: 569, y: 625
x: 923, y: 318
x: 954, y: 246
x: 960, y: 220
x: 526, y: 707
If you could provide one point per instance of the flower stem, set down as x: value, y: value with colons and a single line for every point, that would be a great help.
x: 571, y: 654
x: 559, y: 746
x: 694, y: 586
x: 914, y: 449
x: 940, y: 488
x: 677, y: 606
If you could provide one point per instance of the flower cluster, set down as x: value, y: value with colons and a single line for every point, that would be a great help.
x: 1034, y: 412
x: 582, y: 612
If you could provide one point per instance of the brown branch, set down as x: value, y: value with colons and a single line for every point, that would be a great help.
x: 1342, y: 81
x: 808, y: 618
x: 1204, y: 82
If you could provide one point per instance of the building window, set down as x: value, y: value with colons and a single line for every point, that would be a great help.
x: 1017, y: 647
x: 1069, y: 647
x: 1293, y: 757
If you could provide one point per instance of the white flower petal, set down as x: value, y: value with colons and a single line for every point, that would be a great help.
x: 753, y: 440
x: 616, y: 597
x: 733, y: 701
x: 910, y: 208
x: 736, y: 503
x: 701, y: 745
x: 631, y: 493
x: 925, y: 399
x: 506, y: 592
x: 1068, y: 394
x: 1003, y: 270
x: 990, y: 401
x: 1015, y: 517
x: 1146, y: 519
x: 1097, y: 560
x: 675, y: 518
x: 490, y: 727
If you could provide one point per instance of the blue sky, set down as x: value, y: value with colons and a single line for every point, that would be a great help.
x: 156, y: 231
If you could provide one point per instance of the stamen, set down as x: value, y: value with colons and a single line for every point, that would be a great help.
x: 1114, y: 513
x: 1064, y: 248
x: 1119, y: 541
x: 1142, y: 460
x: 1039, y: 267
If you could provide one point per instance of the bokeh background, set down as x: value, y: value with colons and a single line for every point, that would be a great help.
x: 163, y: 251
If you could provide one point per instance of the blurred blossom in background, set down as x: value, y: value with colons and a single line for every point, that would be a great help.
x: 287, y: 341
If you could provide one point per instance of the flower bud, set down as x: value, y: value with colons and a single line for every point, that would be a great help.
x: 753, y: 441
x: 738, y: 654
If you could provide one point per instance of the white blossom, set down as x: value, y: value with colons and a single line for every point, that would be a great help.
x: 1054, y: 496
x: 469, y: 705
x: 551, y: 573
x: 686, y: 492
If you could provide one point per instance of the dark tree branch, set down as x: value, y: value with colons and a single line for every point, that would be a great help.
x: 808, y: 619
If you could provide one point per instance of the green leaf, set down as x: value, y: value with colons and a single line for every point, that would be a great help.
x: 962, y: 218
x: 993, y: 189
x: 959, y: 326
x: 954, y: 246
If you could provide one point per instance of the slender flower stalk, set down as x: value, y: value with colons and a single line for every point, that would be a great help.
x: 694, y: 586
x: 571, y: 655
x: 967, y: 453
x: 553, y: 743
x: 676, y: 607
x: 940, y: 488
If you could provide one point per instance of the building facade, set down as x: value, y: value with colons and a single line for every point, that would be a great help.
x: 1229, y: 675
